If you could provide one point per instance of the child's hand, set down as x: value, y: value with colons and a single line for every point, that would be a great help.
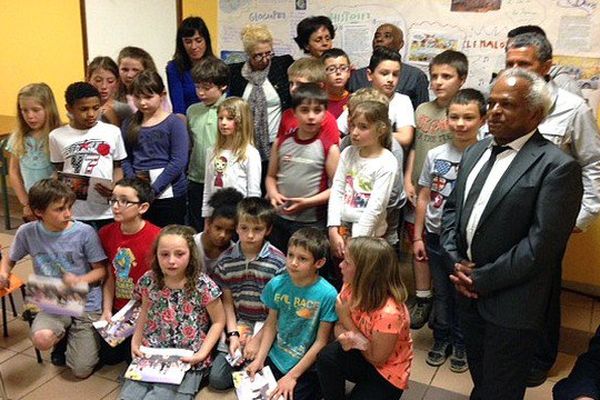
x: 411, y: 192
x: 419, y: 250
x: 196, y: 358
x: 71, y: 279
x: 294, y: 205
x: 277, y: 199
x: 106, y: 315
x: 251, y: 348
x: 345, y: 340
x: 4, y: 280
x: 234, y: 344
x: 285, y: 388
x: 254, y: 367
x: 337, y: 242
x: 135, y: 350
x: 103, y: 190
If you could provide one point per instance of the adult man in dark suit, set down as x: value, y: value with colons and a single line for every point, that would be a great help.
x: 506, y: 226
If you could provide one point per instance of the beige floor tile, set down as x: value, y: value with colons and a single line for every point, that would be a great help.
x: 114, y: 395
x: 30, y: 352
x: 24, y: 268
x: 422, y: 338
x: 65, y: 383
x: 6, y: 239
x: 23, y: 374
x: 543, y: 392
x: 209, y: 394
x: 448, y: 380
x: 112, y: 372
x: 420, y: 371
x: 576, y: 318
x: 6, y: 354
x: 18, y: 339
x: 562, y: 367
x: 574, y: 299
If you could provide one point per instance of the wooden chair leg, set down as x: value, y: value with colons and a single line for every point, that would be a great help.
x: 4, y: 319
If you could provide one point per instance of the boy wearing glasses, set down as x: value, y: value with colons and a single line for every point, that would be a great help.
x: 128, y: 245
x: 337, y: 70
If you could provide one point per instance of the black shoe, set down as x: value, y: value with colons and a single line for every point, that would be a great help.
x: 536, y: 377
x: 419, y: 314
x: 438, y: 353
x: 57, y: 356
x: 458, y: 360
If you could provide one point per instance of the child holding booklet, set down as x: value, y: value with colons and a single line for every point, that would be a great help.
x: 158, y: 148
x: 67, y: 249
x: 181, y: 308
x: 127, y: 243
x: 373, y: 347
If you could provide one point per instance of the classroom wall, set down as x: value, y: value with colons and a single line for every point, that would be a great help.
x: 42, y: 41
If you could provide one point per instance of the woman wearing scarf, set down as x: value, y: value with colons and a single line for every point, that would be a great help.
x: 263, y: 82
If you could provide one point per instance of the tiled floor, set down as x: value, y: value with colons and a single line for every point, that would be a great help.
x: 26, y: 379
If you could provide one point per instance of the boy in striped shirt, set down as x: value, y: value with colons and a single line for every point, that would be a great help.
x: 242, y: 272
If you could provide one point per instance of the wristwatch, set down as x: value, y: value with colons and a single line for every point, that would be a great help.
x: 232, y: 333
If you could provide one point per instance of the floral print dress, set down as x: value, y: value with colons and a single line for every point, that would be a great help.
x: 176, y: 317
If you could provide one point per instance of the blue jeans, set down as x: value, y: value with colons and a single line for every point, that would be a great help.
x: 445, y: 318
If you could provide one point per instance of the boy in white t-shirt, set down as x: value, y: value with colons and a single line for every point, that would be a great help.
x: 88, y: 147
x: 383, y: 73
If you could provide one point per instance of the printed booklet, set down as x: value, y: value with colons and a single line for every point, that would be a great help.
x: 83, y: 186
x: 121, y: 325
x: 258, y: 389
x: 53, y: 296
x: 159, y: 365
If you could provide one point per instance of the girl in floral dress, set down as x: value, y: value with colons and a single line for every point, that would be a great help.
x: 181, y: 308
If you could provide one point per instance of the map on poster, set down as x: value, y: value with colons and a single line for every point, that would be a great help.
x: 476, y: 27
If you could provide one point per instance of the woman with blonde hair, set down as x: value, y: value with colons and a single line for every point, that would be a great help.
x: 263, y: 82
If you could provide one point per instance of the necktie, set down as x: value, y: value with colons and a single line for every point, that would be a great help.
x: 479, y: 182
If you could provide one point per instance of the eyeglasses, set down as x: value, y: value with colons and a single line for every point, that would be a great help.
x: 262, y: 56
x: 333, y: 69
x: 122, y: 203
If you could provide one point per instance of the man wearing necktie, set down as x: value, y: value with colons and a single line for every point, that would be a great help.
x: 506, y: 226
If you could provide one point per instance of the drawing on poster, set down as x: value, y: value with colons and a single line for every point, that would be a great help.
x: 475, y: 5
x: 574, y: 34
x: 426, y: 45
x: 589, y: 6
x: 585, y: 70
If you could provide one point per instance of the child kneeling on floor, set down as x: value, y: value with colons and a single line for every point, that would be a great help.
x: 67, y: 249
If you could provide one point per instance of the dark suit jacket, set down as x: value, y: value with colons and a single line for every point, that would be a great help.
x: 584, y: 379
x: 521, y: 238
x: 277, y: 76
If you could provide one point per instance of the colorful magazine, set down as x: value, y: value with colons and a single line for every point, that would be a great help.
x: 159, y: 366
x: 53, y: 296
x: 83, y: 186
x: 120, y: 326
x: 260, y: 388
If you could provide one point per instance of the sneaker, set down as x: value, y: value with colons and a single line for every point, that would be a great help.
x: 536, y: 377
x: 458, y: 360
x: 57, y: 356
x: 438, y: 353
x: 419, y: 314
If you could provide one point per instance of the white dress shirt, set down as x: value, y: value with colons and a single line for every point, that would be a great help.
x: 503, y: 161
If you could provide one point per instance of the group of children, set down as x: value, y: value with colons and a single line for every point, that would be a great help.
x: 326, y: 193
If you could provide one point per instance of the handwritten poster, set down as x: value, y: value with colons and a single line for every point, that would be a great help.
x: 476, y: 27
